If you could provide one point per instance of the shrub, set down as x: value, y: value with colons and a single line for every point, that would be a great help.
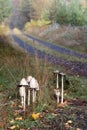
x: 36, y: 23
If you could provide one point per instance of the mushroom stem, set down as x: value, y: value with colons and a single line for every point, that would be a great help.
x: 28, y: 97
x: 23, y: 100
x: 34, y: 95
x: 57, y: 93
x: 57, y: 84
x: 62, y: 86
x: 62, y: 90
x: 23, y: 96
x: 57, y: 99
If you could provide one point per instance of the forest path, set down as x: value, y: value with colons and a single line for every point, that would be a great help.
x: 74, y: 67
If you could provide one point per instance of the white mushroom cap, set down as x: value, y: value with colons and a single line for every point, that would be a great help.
x: 56, y: 72
x: 33, y: 83
x: 29, y: 78
x: 37, y: 86
x: 23, y: 82
x: 63, y: 74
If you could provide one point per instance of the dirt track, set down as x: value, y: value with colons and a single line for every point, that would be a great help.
x: 74, y: 67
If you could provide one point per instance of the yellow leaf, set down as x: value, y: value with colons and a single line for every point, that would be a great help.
x: 35, y: 116
x: 12, y: 121
x: 20, y: 106
x: 60, y: 105
x: 78, y: 129
x: 69, y: 121
x: 19, y: 118
x: 12, y: 127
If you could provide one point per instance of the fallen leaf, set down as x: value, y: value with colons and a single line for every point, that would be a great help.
x: 60, y: 105
x: 12, y: 121
x: 20, y: 106
x: 19, y: 118
x: 69, y: 121
x: 12, y: 127
x: 4, y: 114
x: 2, y: 124
x: 35, y: 116
x: 78, y: 129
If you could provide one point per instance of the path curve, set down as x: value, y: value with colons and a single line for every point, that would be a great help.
x: 76, y: 68
x: 58, y: 48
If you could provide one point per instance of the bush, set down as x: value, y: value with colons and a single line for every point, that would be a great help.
x: 36, y: 23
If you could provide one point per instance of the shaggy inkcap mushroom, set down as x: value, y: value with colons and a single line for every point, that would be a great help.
x: 29, y: 78
x: 33, y: 82
x: 34, y: 86
x: 23, y: 82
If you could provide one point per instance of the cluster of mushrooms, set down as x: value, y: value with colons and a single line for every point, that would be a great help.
x: 31, y: 85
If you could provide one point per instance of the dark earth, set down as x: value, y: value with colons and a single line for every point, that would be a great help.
x: 76, y: 112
